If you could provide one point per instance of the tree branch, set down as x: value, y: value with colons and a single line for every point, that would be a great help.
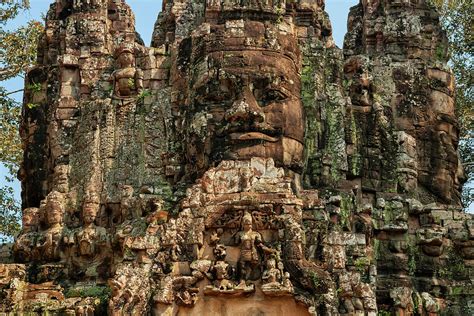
x: 12, y: 92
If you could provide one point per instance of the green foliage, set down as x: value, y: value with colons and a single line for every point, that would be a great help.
x: 9, y: 214
x: 417, y: 303
x: 280, y: 14
x: 315, y: 279
x: 131, y: 83
x: 361, y: 264
x: 102, y: 293
x: 440, y: 53
x: 454, y: 268
x: 17, y: 54
x: 10, y: 156
x: 18, y: 49
x: 10, y: 9
x: 143, y: 94
x: 412, y: 258
x: 10, y: 145
x: 31, y: 105
x: 34, y: 87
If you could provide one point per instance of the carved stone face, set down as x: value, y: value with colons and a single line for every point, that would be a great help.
x: 30, y: 219
x: 247, y: 223
x: 371, y: 5
x: 89, y: 212
x: 247, y: 105
x: 440, y: 170
x: 60, y: 178
x: 54, y: 213
x: 271, y: 264
x: 125, y: 59
x: 444, y: 163
x: 127, y: 191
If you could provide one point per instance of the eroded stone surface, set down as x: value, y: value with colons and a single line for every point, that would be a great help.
x: 240, y: 165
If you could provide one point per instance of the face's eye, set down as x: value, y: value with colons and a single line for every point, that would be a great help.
x: 270, y: 95
x: 275, y: 95
x: 213, y: 93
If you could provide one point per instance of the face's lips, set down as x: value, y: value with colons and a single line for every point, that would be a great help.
x: 252, y: 136
x: 249, y: 132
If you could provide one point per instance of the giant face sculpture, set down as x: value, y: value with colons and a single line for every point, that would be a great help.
x: 243, y: 104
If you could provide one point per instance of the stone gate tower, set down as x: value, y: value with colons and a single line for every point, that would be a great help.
x: 241, y: 165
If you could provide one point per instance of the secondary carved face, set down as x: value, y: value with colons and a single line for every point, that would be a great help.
x: 54, y: 213
x: 247, y: 223
x: 89, y: 212
x: 61, y: 178
x: 126, y: 59
x: 30, y: 219
x: 247, y: 105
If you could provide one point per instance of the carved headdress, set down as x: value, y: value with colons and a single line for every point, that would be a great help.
x: 125, y: 47
x: 247, y: 218
x: 53, y: 198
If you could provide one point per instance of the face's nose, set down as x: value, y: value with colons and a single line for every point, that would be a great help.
x: 245, y: 108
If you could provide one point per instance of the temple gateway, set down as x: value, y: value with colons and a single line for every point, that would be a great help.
x: 240, y: 165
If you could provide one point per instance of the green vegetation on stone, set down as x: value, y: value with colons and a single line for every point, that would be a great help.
x: 102, y: 293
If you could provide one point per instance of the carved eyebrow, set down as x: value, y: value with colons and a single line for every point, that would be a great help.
x: 214, y: 80
x: 279, y: 87
x: 272, y: 76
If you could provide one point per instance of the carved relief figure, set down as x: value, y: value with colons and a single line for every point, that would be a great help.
x: 248, y: 240
x: 250, y: 243
x: 127, y: 79
x: 49, y: 241
x: 91, y: 242
x: 275, y: 282
x: 271, y: 276
x: 24, y: 244
x: 130, y: 291
x: 222, y: 270
x: 128, y: 205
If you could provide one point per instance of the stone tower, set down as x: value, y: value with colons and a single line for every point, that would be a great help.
x: 241, y: 165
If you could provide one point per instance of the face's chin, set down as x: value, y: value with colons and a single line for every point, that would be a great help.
x: 89, y: 220
x: 54, y: 219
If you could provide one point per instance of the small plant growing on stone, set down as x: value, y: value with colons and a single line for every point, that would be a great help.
x: 316, y: 280
x: 143, y: 94
x: 280, y: 11
x: 34, y: 87
x: 412, y: 259
x: 31, y: 105
x: 361, y: 264
x: 131, y: 83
